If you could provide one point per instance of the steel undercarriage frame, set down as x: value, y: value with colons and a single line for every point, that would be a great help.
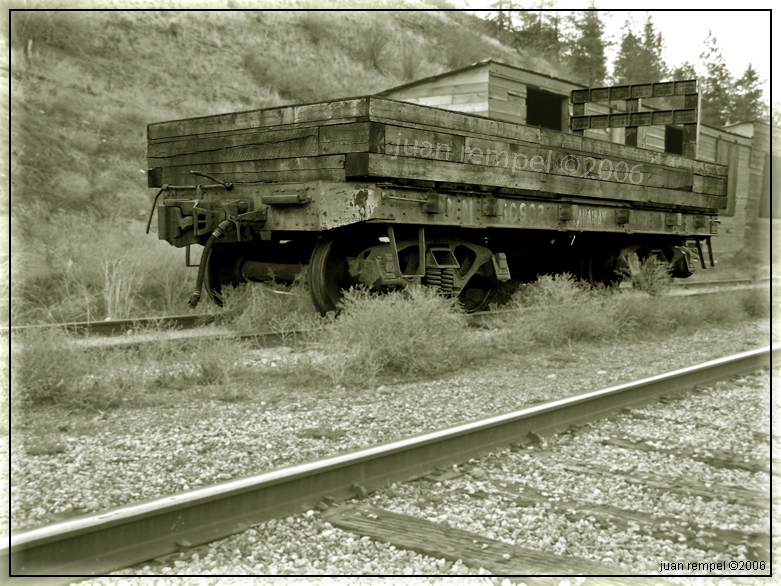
x: 324, y: 219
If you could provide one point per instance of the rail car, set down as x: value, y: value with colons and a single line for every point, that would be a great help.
x: 376, y: 192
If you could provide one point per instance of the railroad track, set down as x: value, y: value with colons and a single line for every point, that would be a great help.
x: 109, y: 328
x: 633, y: 489
x: 129, y: 535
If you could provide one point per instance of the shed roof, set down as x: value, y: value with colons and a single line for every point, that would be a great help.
x: 478, y: 64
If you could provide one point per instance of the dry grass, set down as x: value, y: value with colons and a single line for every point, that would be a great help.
x: 67, y: 276
x: 558, y: 311
x: 271, y: 307
x: 414, y: 332
x: 651, y: 275
x: 50, y: 370
x: 83, y: 97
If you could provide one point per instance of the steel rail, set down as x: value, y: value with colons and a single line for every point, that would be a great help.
x: 132, y: 534
x: 187, y: 321
x: 271, y: 339
x: 114, y: 327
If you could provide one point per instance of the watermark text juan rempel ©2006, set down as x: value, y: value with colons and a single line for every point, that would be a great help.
x: 571, y: 165
x: 711, y: 567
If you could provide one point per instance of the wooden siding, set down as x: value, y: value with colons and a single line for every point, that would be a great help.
x: 742, y: 148
x: 507, y: 110
x: 506, y: 97
x: 506, y: 75
x: 464, y: 91
x: 398, y: 140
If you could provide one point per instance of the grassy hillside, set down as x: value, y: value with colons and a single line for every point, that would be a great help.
x: 85, y: 85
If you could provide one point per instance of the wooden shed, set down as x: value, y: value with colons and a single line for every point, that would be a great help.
x: 512, y: 94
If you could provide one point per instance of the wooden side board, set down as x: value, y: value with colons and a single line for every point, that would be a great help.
x: 378, y: 138
x: 371, y: 165
x: 285, y: 115
x: 516, y: 155
x: 293, y: 170
x: 384, y: 110
x: 229, y: 147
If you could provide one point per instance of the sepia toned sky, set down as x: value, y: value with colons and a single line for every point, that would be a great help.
x: 743, y: 35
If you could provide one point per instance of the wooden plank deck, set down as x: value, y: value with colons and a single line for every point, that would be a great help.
x: 366, y: 137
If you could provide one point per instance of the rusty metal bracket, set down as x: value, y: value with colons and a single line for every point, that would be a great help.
x: 421, y: 255
x: 699, y: 252
x: 187, y: 258
x: 256, y: 219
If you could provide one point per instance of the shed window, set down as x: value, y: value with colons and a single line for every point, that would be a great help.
x: 673, y: 140
x: 543, y: 109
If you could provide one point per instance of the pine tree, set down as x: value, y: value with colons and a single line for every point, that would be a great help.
x: 655, y: 69
x: 629, y: 54
x: 640, y: 59
x: 502, y: 20
x: 684, y: 72
x: 716, y: 86
x: 585, y: 54
x: 537, y: 30
x: 747, y: 102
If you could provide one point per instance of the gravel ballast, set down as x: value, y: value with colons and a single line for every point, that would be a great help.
x: 478, y: 500
x: 121, y: 456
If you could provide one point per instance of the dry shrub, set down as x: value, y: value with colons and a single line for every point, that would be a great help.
x: 299, y: 80
x: 107, y: 267
x: 755, y: 302
x: 413, y: 331
x: 650, y: 275
x: 270, y: 307
x: 48, y: 369
x: 45, y: 366
x: 411, y: 55
x: 464, y: 49
x: 559, y: 310
x: 556, y: 310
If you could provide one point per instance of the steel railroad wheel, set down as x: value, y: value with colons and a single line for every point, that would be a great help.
x: 597, y: 268
x: 327, y: 276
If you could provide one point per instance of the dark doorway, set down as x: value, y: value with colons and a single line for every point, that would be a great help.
x: 673, y: 140
x: 543, y: 109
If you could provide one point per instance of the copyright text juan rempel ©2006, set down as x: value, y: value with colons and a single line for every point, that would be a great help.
x: 710, y: 567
